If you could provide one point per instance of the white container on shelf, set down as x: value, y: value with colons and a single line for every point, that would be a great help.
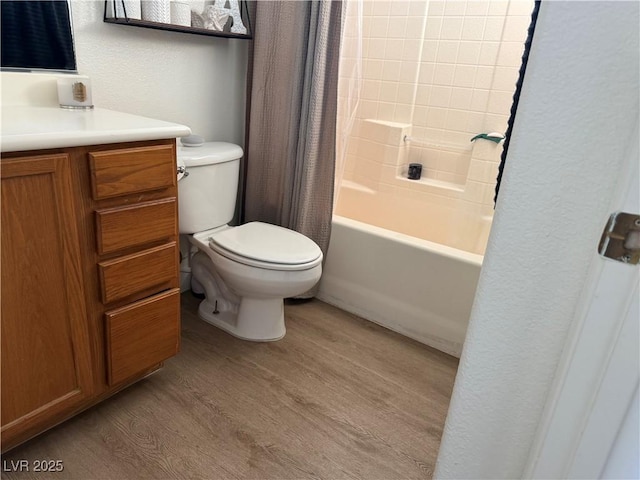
x: 156, y: 11
x: 181, y: 13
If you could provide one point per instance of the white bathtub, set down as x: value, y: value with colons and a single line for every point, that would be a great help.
x: 415, y: 287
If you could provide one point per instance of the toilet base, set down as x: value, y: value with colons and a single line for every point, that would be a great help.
x: 257, y: 320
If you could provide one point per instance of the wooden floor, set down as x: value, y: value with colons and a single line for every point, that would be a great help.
x: 338, y: 397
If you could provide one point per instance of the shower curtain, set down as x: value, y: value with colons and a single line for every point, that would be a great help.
x: 349, y: 85
x: 292, y: 104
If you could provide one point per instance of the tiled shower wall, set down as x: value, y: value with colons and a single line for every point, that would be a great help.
x: 443, y: 71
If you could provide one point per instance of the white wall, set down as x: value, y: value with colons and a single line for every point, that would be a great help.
x: 198, y: 81
x: 577, y: 113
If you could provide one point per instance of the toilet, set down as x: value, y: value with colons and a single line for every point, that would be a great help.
x: 245, y: 272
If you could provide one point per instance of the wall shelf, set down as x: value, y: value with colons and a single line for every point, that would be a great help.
x: 109, y: 8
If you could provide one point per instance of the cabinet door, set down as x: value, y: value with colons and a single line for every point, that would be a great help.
x: 46, y: 367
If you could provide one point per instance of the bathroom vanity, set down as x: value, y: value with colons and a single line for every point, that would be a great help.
x: 90, y: 298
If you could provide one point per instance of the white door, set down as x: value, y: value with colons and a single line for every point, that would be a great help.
x: 590, y: 428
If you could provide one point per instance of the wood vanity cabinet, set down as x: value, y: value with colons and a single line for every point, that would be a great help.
x: 89, y: 277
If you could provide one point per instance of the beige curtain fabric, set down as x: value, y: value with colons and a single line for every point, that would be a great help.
x: 290, y: 160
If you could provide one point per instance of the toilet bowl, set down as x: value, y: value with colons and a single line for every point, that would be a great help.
x: 245, y: 272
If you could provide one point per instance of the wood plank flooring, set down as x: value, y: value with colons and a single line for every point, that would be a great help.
x: 338, y: 397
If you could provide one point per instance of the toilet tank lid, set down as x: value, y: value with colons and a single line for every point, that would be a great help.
x: 209, y: 153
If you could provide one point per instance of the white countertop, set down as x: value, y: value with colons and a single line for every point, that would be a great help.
x: 34, y: 128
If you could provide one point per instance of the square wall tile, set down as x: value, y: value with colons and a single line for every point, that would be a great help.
x: 423, y: 94
x: 368, y: 108
x: 450, y: 178
x: 440, y: 96
x: 443, y: 74
x: 461, y: 98
x: 521, y: 7
x: 366, y: 27
x: 484, y: 77
x: 390, y: 155
x: 427, y: 71
x: 489, y: 53
x: 479, y: 100
x: 393, y: 48
x: 492, y: 168
x: 385, y: 111
x: 397, y: 27
x: 436, y: 117
x: 399, y: 8
x: 516, y: 28
x: 454, y: 162
x: 420, y: 115
x: 430, y: 50
x: 473, y: 28
x: 496, y: 122
x: 432, y: 28
x: 375, y: 48
x: 418, y: 8
x: 505, y: 78
x: 430, y: 158
x: 379, y: 27
x: 406, y: 93
x: 493, y: 29
x: 457, y: 139
x: 474, y: 191
x: 410, y: 50
x: 477, y: 7
x: 370, y: 89
x: 368, y: 149
x: 465, y: 76
x: 455, y: 7
x: 457, y: 120
x: 389, y: 92
x: 476, y: 171
x: 408, y: 72
x: 436, y: 7
x: 402, y: 113
x: 475, y: 123
x: 447, y: 51
x: 425, y: 76
x: 415, y: 28
x: 510, y: 54
x: 372, y: 69
x: 381, y: 7
x: 498, y: 7
x: 391, y: 71
x: 468, y: 53
x: 432, y: 135
x: 451, y: 28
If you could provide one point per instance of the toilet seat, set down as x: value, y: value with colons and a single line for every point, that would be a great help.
x: 267, y: 246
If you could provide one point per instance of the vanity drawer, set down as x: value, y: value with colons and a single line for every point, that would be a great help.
x: 139, y: 273
x: 122, y: 227
x: 142, y: 335
x: 132, y: 170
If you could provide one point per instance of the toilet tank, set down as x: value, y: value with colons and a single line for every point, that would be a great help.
x: 207, y: 193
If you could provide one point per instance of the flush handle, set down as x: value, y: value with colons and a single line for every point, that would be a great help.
x: 621, y: 238
x: 183, y: 170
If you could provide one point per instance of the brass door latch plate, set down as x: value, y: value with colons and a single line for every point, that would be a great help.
x: 621, y: 238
